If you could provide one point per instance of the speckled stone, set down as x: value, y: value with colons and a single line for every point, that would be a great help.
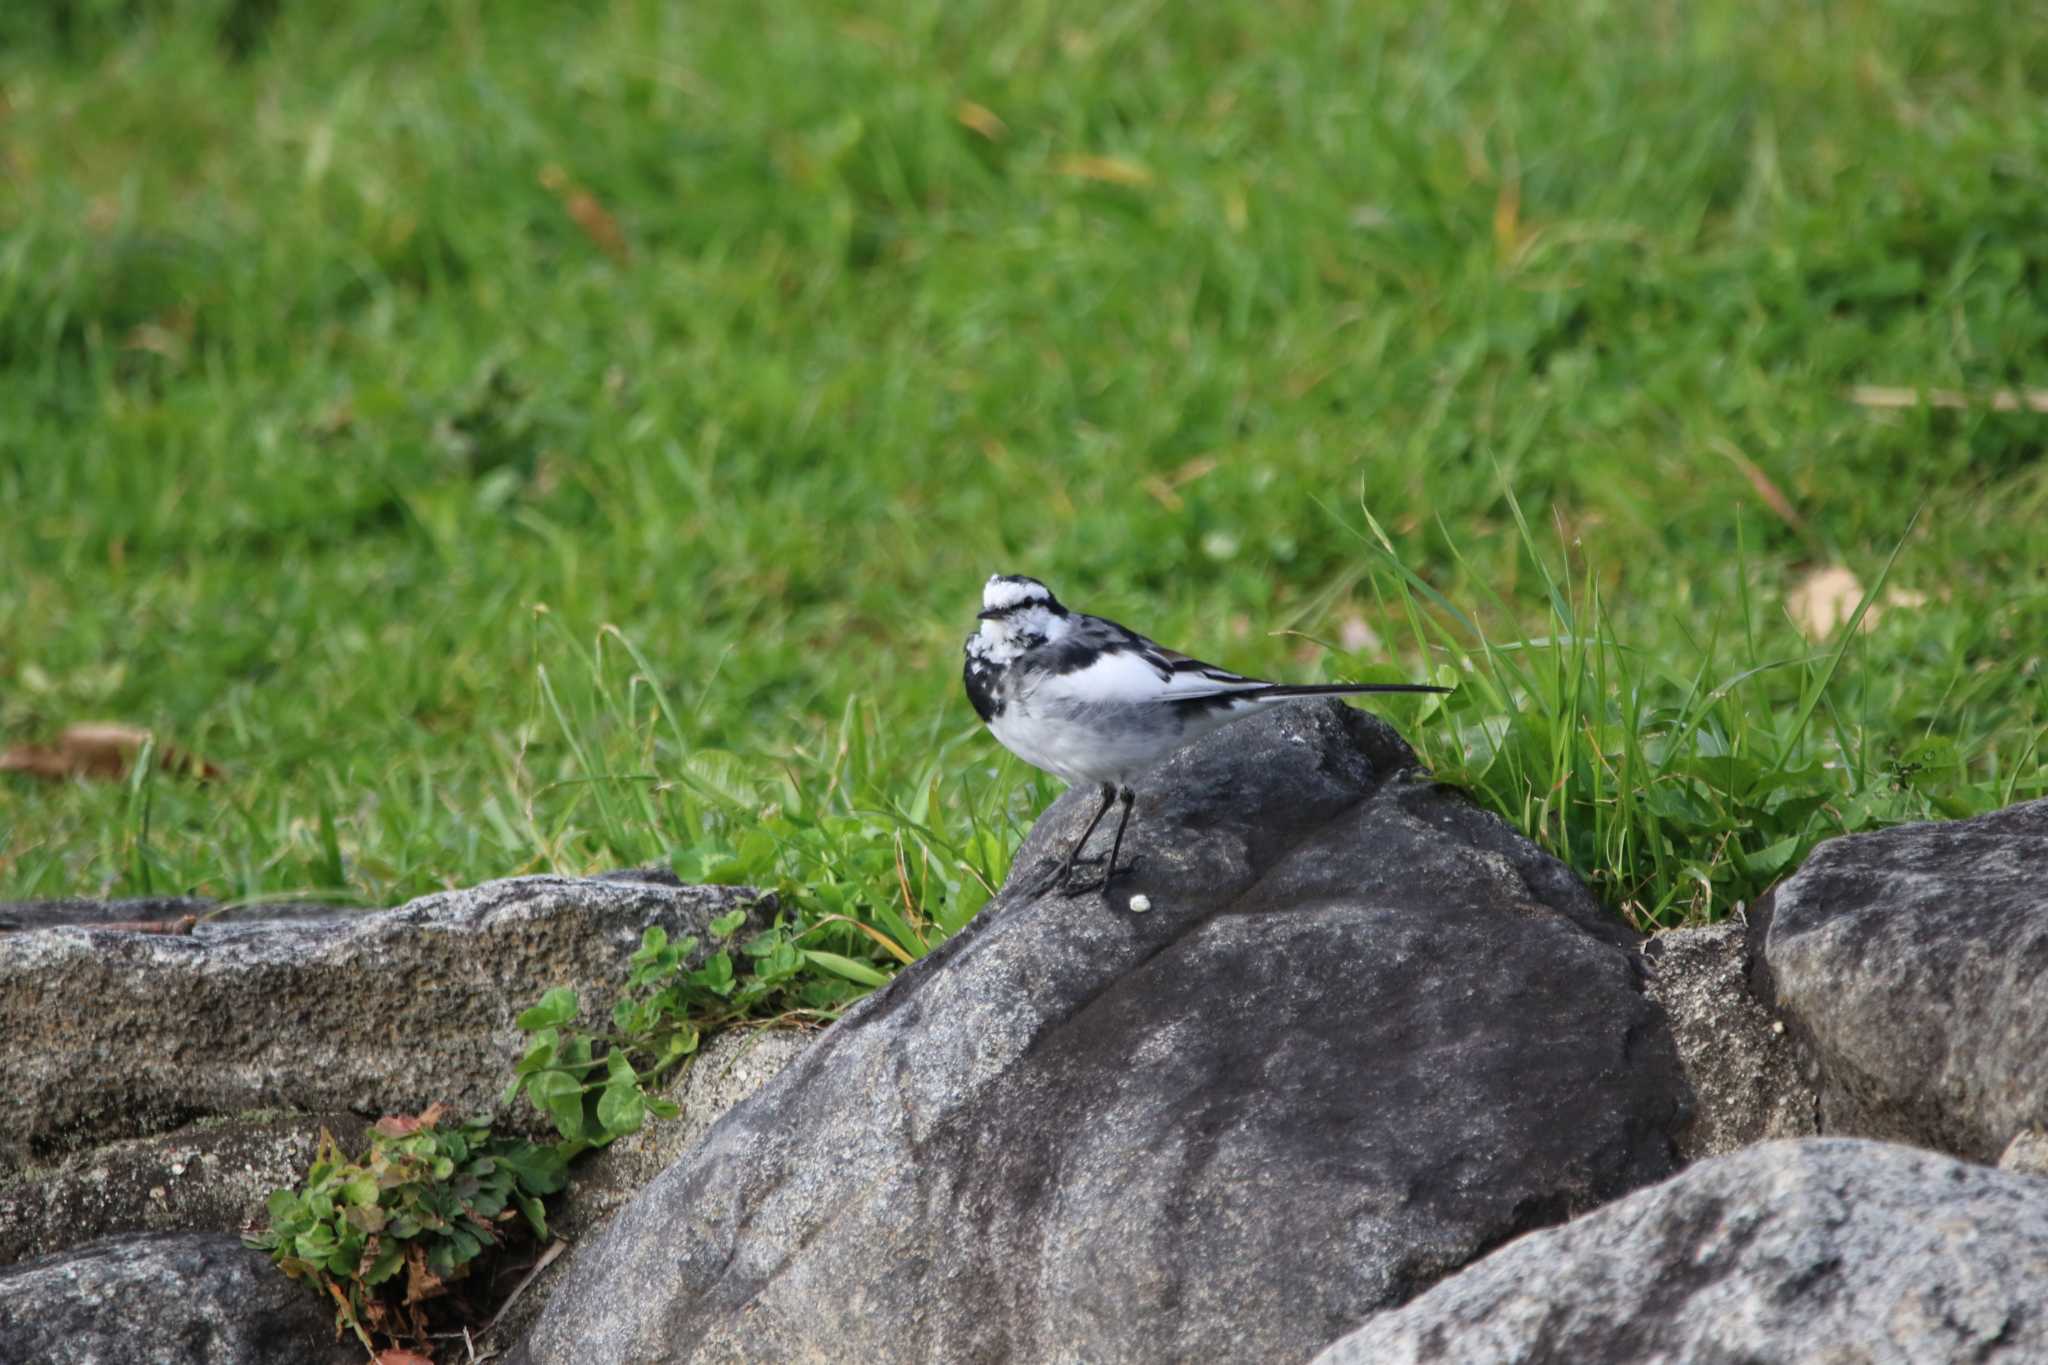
x: 1821, y: 1250
x: 121, y: 1034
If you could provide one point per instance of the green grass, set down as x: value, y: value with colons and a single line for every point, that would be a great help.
x: 524, y: 436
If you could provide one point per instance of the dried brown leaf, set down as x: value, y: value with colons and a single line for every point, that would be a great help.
x: 1773, y: 496
x: 1998, y: 400
x: 183, y: 924
x: 1824, y: 600
x: 101, y: 751
x: 1166, y: 489
x: 1507, y: 217
x: 421, y: 1283
x: 587, y: 212
x: 981, y: 119
x: 1356, y: 634
x: 1110, y: 170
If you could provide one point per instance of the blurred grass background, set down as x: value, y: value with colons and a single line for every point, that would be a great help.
x: 536, y: 435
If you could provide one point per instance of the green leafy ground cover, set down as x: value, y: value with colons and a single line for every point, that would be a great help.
x: 553, y: 436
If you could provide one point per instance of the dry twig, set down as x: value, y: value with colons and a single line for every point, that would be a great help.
x: 1998, y: 400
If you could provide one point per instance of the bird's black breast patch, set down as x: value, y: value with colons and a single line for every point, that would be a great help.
x: 980, y: 677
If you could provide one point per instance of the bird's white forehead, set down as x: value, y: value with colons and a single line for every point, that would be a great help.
x: 1003, y: 590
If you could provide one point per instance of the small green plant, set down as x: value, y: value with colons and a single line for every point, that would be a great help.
x: 599, y: 1086
x: 427, y: 1199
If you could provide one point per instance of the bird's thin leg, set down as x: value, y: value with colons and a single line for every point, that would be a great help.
x: 1066, y: 867
x: 1127, y: 796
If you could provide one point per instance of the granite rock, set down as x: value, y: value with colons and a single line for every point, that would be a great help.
x: 1835, y: 1250
x: 1363, y: 1034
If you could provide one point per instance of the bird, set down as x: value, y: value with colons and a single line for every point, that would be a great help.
x: 1089, y: 700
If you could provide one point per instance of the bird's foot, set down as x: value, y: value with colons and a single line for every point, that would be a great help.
x: 1055, y: 880
x: 1088, y: 886
x: 1062, y: 876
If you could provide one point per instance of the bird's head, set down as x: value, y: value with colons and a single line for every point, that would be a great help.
x: 1019, y: 612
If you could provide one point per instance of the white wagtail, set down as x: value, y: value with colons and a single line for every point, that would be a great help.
x: 1091, y: 701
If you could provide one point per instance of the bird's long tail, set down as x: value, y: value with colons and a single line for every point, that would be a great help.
x: 1338, y: 689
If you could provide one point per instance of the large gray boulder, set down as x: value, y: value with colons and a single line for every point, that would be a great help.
x: 1911, y: 965
x: 118, y: 1034
x: 1363, y: 1033
x: 1831, y: 1250
x: 167, y: 1299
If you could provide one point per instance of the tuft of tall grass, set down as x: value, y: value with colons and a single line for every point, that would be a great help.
x: 1681, y: 786
x: 872, y: 872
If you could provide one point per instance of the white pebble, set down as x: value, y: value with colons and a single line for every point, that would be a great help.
x: 1140, y: 904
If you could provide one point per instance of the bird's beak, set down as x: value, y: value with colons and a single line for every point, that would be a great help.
x: 991, y: 614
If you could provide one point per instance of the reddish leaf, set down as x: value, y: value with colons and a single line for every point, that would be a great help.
x: 405, y: 1125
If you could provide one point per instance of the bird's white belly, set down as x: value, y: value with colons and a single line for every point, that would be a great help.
x: 1094, y: 744
x: 1071, y: 752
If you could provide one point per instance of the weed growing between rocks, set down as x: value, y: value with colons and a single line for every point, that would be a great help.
x: 598, y: 1086
x: 394, y: 1236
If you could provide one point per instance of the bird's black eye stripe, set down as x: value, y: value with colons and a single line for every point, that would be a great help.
x: 1010, y: 609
